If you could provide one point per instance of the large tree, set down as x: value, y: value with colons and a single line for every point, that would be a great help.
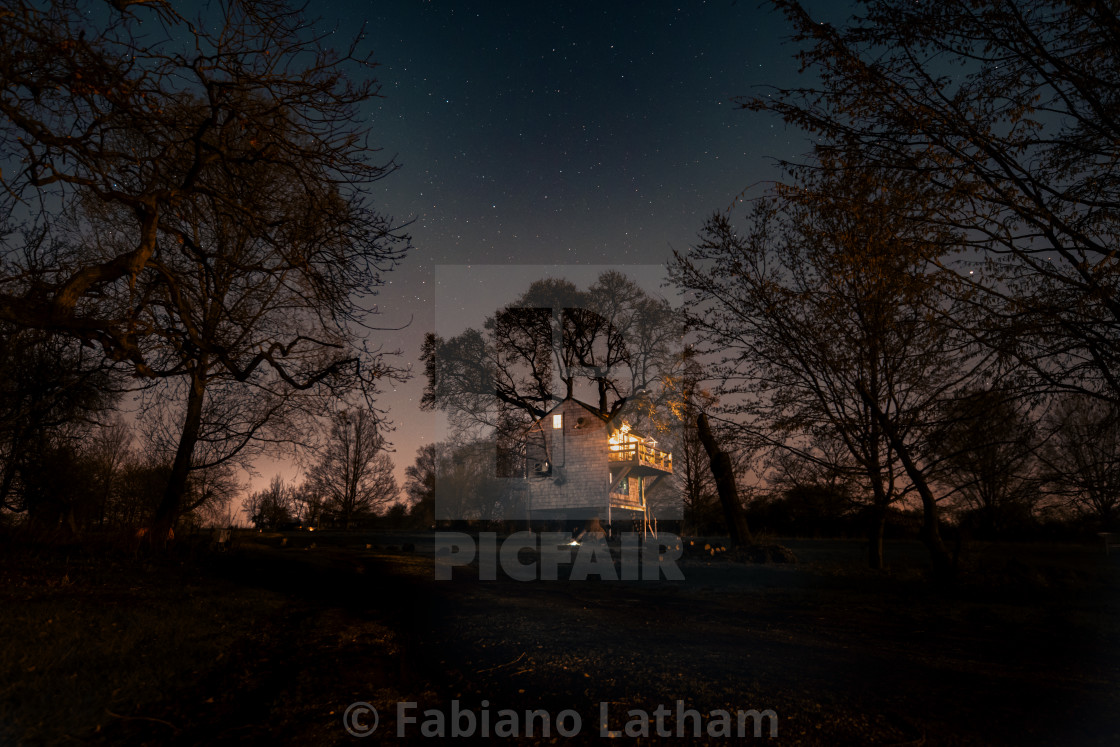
x: 605, y: 344
x: 703, y: 471
x: 96, y: 106
x: 215, y: 178
x: 825, y: 316
x: 1010, y: 111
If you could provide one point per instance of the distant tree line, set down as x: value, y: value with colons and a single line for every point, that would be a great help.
x: 73, y: 469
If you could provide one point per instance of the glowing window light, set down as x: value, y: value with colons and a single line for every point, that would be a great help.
x: 558, y: 421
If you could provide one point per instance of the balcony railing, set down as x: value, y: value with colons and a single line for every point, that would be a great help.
x: 642, y: 454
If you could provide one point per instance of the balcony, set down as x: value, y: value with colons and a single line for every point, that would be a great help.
x: 645, y: 459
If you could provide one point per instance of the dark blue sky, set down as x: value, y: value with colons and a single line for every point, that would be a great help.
x: 571, y: 131
x: 558, y: 133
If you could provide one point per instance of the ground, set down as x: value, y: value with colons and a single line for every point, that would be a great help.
x: 271, y: 643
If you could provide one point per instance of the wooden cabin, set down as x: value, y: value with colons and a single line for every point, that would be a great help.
x: 583, y: 465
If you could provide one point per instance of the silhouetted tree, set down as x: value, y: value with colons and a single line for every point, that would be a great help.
x: 686, y: 400
x: 420, y: 483
x: 1007, y: 111
x: 820, y: 489
x: 987, y: 447
x: 108, y: 451
x: 209, y: 494
x: 307, y: 502
x: 52, y: 391
x: 614, y: 339
x: 215, y: 178
x: 468, y: 484
x: 607, y: 345
x: 104, y: 110
x: 141, y: 482
x: 354, y: 473
x: 723, y: 474
x: 397, y: 516
x: 271, y: 507
x: 826, y: 316
x: 1081, y: 458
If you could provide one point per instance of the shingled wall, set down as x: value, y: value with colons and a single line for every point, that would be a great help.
x: 579, y: 462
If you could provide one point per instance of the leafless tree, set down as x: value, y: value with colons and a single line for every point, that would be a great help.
x: 825, y: 315
x: 685, y: 399
x: 271, y: 506
x: 987, y: 448
x: 210, y: 493
x: 213, y: 183
x: 607, y: 344
x: 354, y: 474
x: 1008, y: 111
x: 143, y: 120
x: 108, y: 451
x: 307, y: 503
x: 555, y: 339
x: 420, y: 483
x: 1081, y: 458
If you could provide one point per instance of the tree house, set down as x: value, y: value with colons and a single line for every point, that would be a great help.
x: 583, y: 464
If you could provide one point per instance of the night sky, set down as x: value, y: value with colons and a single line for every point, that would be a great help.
x: 556, y: 134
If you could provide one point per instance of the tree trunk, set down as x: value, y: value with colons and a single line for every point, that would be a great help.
x: 943, y: 569
x: 724, y: 475
x: 877, y: 520
x: 172, y: 500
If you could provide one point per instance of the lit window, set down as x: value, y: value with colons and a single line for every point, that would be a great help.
x: 557, y: 421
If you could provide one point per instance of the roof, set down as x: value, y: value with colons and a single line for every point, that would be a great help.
x: 593, y: 410
x: 607, y: 419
